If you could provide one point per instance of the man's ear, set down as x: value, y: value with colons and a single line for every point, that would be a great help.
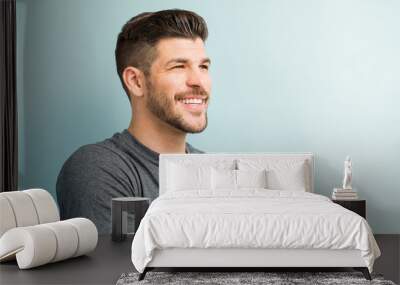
x: 134, y: 81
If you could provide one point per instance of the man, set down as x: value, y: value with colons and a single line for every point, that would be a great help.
x: 163, y: 67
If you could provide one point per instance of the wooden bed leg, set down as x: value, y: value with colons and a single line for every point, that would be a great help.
x: 143, y: 274
x: 364, y: 271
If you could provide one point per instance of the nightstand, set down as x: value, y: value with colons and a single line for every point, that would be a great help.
x: 123, y: 211
x: 357, y: 206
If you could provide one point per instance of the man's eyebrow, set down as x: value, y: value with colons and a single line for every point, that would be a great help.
x: 206, y: 60
x: 184, y: 60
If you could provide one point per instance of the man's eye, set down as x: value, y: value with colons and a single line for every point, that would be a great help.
x: 178, y: 66
x: 204, y: 66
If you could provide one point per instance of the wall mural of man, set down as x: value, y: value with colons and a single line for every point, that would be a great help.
x: 162, y: 63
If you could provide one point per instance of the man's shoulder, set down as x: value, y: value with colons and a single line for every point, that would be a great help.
x: 89, y: 178
x: 89, y: 153
x: 94, y: 155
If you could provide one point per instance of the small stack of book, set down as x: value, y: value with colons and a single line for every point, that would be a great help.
x: 344, y: 194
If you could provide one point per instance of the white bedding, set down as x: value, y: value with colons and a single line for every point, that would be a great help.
x: 250, y: 218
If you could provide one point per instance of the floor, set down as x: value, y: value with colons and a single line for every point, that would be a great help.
x: 110, y: 260
x: 389, y: 262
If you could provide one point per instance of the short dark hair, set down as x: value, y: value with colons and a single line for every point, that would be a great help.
x: 139, y: 36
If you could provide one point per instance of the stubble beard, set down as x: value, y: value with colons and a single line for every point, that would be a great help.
x: 162, y: 107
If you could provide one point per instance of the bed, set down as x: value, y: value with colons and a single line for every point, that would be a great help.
x: 244, y: 211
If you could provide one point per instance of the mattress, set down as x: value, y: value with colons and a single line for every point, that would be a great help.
x: 252, y: 219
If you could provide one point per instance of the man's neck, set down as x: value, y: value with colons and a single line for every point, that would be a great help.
x: 158, y: 136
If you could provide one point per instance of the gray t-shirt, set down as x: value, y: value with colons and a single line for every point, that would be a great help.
x: 119, y: 166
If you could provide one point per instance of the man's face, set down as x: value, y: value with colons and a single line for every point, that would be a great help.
x: 179, y: 84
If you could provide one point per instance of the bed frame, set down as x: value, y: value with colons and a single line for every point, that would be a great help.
x: 249, y: 258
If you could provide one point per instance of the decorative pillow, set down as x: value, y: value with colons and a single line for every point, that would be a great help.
x: 251, y: 178
x: 292, y: 178
x: 181, y: 177
x: 223, y: 179
x: 281, y: 174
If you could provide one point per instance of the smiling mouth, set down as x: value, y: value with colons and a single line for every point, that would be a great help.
x: 195, y: 101
x: 196, y: 105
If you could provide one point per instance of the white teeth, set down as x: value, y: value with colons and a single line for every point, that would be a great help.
x: 192, y: 101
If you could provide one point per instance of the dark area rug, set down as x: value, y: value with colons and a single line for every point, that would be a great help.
x: 229, y: 278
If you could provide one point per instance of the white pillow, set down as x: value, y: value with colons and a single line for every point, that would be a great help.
x: 235, y: 179
x: 182, y: 177
x: 223, y: 179
x: 292, y: 178
x: 281, y: 174
x: 251, y: 178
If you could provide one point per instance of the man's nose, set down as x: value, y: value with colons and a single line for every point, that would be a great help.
x: 195, y: 78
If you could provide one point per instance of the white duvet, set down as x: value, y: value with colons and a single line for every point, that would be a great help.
x: 250, y: 218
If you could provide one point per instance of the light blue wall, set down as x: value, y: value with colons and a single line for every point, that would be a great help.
x: 288, y: 76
